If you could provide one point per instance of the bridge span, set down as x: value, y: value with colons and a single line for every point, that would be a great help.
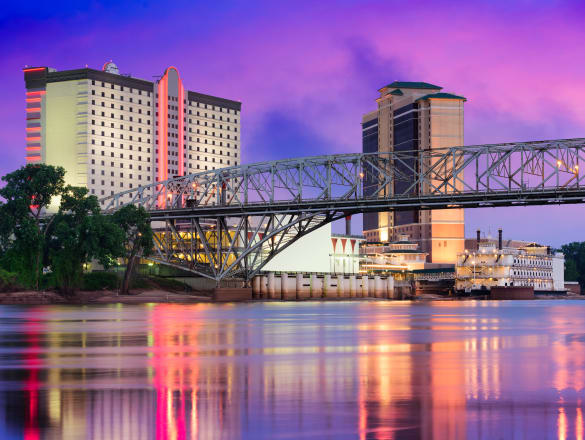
x: 229, y: 222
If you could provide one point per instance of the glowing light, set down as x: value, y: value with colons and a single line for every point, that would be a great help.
x: 33, y: 158
x: 34, y: 69
x: 36, y: 93
x: 33, y: 109
x: 181, y: 123
x: 33, y: 139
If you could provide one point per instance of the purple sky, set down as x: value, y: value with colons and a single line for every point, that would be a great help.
x: 305, y: 71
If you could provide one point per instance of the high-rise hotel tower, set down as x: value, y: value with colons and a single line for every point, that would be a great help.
x: 414, y: 116
x: 113, y: 132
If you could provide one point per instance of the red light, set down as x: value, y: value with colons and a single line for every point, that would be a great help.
x: 33, y: 158
x: 33, y: 109
x: 33, y: 148
x: 33, y: 128
x: 33, y: 99
x: 181, y: 168
x: 34, y: 69
x: 36, y: 93
x: 32, y: 139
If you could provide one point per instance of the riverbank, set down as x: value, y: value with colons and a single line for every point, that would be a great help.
x: 104, y: 297
x: 203, y: 296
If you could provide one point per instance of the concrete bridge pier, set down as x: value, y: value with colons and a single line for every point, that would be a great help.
x: 263, y: 287
x: 256, y: 289
x: 299, y: 285
x: 364, y: 286
x: 284, y: 286
x: 352, y: 286
x: 326, y: 283
x: 271, y: 286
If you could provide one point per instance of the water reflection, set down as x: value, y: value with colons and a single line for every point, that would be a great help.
x: 309, y: 370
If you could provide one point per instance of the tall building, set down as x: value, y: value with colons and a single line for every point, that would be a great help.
x: 112, y: 132
x: 415, y: 116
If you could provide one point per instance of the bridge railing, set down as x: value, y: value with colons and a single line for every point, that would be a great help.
x: 521, y: 167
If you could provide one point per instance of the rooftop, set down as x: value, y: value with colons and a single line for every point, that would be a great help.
x: 442, y: 95
x: 412, y: 85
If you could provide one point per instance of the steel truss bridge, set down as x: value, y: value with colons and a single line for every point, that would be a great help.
x: 230, y: 222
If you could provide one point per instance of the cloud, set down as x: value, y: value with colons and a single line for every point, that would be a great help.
x: 306, y: 71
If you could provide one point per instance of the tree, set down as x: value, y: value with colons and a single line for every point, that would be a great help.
x: 27, y: 194
x: 80, y: 234
x: 575, y: 262
x: 138, y: 238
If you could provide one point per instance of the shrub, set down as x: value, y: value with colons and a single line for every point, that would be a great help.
x: 170, y: 284
x: 100, y: 280
x: 8, y: 281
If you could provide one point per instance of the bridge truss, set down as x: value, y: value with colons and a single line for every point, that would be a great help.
x: 230, y: 222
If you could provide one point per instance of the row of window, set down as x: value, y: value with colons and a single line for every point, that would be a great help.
x: 533, y: 262
x: 121, y: 98
x: 130, y: 156
x: 172, y: 98
x: 121, y: 107
x: 531, y: 273
x: 130, y: 137
x: 120, y: 88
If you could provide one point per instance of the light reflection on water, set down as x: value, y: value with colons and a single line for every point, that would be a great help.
x: 370, y: 370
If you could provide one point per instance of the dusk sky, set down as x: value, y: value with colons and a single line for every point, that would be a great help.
x: 305, y: 71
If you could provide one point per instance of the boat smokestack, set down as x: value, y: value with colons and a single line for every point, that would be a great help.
x: 348, y: 225
x: 500, y: 239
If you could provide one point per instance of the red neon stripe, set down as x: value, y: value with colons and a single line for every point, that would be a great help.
x: 33, y: 99
x: 33, y: 128
x: 33, y: 109
x: 35, y: 69
x: 33, y: 158
x: 32, y: 139
x: 162, y: 131
x: 181, y: 125
x: 33, y: 148
x: 37, y: 92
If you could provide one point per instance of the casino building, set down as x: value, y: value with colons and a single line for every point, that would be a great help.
x: 415, y: 116
x: 113, y: 132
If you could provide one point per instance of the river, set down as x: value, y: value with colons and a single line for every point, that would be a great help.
x: 295, y: 370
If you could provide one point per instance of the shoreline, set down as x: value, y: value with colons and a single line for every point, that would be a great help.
x: 103, y: 297
x: 159, y: 296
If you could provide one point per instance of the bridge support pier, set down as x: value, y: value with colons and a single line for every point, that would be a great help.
x: 270, y: 284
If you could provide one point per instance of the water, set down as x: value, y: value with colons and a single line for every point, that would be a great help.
x: 335, y: 370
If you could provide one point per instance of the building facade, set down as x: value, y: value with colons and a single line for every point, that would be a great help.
x: 320, y: 251
x: 396, y: 256
x: 112, y: 132
x: 493, y: 265
x: 415, y: 116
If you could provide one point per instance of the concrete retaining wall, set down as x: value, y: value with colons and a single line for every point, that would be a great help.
x: 229, y: 294
x: 306, y: 286
x: 498, y: 292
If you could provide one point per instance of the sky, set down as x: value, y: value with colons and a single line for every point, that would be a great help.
x: 305, y: 71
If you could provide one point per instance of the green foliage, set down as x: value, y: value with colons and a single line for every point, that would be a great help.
x: 78, y: 234
x: 31, y: 238
x: 27, y: 193
x: 138, y: 238
x: 170, y: 284
x: 574, y: 262
x: 8, y: 281
x: 100, y: 280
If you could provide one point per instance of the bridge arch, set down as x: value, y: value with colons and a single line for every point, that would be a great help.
x: 231, y: 221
